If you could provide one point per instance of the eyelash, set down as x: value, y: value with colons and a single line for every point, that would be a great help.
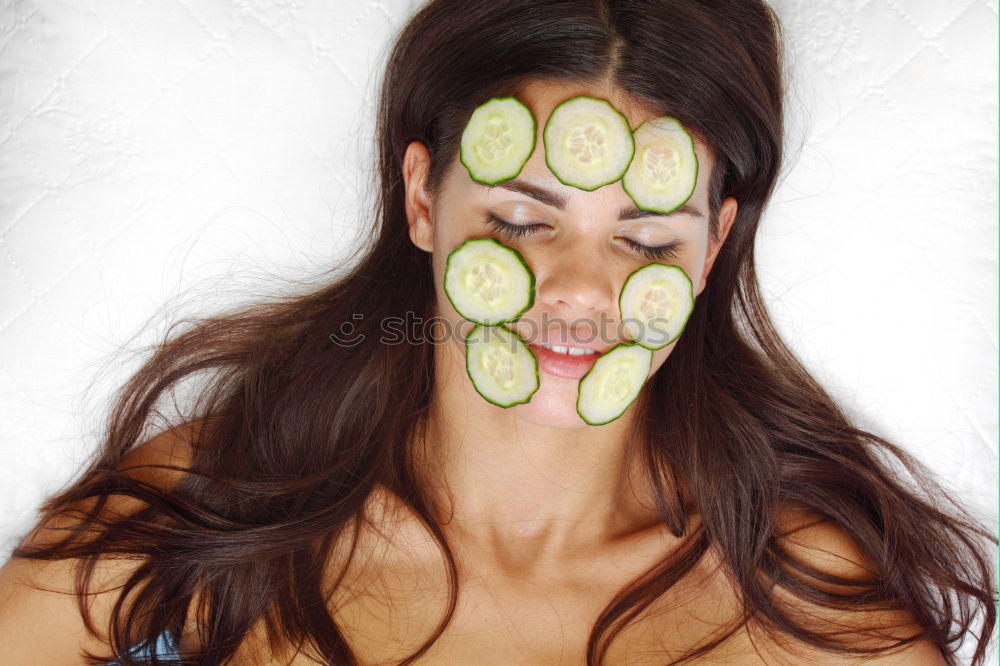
x: 654, y: 253
x: 512, y: 231
x: 515, y: 231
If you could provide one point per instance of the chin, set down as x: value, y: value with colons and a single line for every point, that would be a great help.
x: 553, y: 405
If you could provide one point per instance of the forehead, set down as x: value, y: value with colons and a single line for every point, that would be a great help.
x: 543, y: 95
x: 611, y: 200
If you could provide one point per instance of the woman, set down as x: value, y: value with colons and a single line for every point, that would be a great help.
x: 339, y: 496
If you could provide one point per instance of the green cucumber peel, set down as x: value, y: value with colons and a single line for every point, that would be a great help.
x: 503, y: 370
x: 664, y: 293
x: 498, y: 140
x: 488, y: 282
x: 593, y: 155
x: 613, y: 383
x: 664, y: 172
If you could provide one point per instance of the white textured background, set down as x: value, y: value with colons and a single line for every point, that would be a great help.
x: 152, y: 151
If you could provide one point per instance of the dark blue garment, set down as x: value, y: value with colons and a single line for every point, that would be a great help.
x: 165, y: 650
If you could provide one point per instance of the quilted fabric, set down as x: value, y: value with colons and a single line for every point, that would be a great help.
x: 152, y: 148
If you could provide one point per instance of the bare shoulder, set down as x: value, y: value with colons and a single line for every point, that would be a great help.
x: 823, y: 544
x: 172, y: 448
x: 40, y: 619
x: 386, y: 577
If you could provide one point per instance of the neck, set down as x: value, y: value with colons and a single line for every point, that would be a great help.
x: 525, y: 494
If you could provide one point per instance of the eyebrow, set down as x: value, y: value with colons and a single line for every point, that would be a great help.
x: 557, y: 201
x: 633, y: 213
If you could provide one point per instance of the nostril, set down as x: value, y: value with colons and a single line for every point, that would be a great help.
x: 569, y: 293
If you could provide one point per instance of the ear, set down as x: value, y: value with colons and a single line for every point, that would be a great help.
x: 416, y: 164
x: 727, y: 213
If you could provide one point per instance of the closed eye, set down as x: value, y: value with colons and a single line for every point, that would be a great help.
x: 511, y: 230
x: 654, y: 252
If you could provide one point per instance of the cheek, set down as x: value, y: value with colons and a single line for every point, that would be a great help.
x: 693, y: 259
x: 660, y: 356
x: 439, y: 262
x: 695, y: 262
x: 444, y: 241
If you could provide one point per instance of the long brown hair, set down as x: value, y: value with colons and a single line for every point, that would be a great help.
x: 299, y: 430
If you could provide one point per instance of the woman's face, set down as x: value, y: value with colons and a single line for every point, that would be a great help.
x: 580, y: 245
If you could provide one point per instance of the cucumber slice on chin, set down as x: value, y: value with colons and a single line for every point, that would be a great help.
x: 664, y: 171
x: 655, y: 303
x: 588, y: 143
x: 613, y: 383
x: 498, y: 140
x: 488, y: 282
x: 502, y: 367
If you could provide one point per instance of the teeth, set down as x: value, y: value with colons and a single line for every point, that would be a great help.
x: 572, y: 351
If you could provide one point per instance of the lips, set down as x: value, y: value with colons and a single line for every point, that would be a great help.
x: 575, y: 351
x: 570, y: 366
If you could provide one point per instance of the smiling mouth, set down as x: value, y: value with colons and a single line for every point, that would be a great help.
x: 567, y: 362
x: 570, y: 351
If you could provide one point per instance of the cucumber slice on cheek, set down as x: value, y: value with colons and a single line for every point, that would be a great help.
x: 498, y: 140
x: 613, y: 383
x: 588, y: 143
x: 488, y: 282
x: 655, y: 304
x: 502, y: 368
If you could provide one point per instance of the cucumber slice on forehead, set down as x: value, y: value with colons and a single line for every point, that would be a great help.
x: 498, y: 140
x: 501, y: 366
x: 664, y: 171
x: 488, y: 282
x: 655, y: 303
x: 588, y: 143
x: 613, y: 383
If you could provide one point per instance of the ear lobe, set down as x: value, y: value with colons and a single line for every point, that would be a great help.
x: 727, y: 213
x: 416, y: 164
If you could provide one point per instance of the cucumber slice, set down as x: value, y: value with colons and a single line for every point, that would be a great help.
x: 498, y: 140
x: 663, y: 174
x: 488, y: 282
x: 655, y: 303
x: 501, y: 366
x: 588, y: 143
x: 613, y: 383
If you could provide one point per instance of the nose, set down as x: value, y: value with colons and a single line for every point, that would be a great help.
x: 576, y: 282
